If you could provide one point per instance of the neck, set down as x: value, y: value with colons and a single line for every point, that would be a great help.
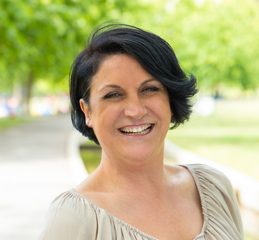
x: 144, y: 177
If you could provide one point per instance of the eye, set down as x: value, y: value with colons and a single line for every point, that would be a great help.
x: 150, y: 89
x: 112, y: 95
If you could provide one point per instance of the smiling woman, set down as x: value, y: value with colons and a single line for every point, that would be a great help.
x: 126, y: 89
x: 127, y: 107
x: 151, y: 52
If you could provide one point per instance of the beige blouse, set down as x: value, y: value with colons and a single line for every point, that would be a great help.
x: 73, y: 217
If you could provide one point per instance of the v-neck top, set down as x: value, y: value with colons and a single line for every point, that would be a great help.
x: 74, y: 217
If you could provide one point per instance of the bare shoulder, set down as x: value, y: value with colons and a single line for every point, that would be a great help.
x: 185, y: 195
x: 181, y: 178
x: 179, y: 175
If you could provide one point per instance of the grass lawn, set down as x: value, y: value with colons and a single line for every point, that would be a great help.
x: 230, y: 136
x: 90, y: 157
x: 13, y: 121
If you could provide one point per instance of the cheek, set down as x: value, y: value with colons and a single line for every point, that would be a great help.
x: 104, y: 116
x: 160, y: 106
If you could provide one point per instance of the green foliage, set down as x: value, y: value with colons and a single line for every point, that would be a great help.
x: 41, y: 38
x: 216, y: 41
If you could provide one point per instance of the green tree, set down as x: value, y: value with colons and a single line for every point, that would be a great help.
x: 41, y: 38
x: 217, y: 41
x: 214, y: 40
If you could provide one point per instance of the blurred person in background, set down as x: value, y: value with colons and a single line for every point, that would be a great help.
x: 126, y: 89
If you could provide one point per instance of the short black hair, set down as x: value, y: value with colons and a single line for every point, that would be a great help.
x: 152, y: 52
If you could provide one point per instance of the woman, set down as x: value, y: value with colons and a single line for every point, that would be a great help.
x: 126, y: 89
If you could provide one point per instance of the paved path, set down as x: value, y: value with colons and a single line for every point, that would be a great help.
x: 33, y: 170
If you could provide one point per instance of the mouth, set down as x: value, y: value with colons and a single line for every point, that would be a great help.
x: 140, y: 130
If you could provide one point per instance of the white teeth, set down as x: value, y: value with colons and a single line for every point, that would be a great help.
x: 136, y: 131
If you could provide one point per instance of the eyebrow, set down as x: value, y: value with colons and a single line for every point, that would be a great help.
x: 149, y: 80
x: 116, y: 86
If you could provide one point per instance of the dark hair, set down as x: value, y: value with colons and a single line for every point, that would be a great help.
x: 153, y: 53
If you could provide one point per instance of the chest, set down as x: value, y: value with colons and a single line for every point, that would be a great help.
x: 182, y: 220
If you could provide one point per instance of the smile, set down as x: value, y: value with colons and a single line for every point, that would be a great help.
x: 141, y: 130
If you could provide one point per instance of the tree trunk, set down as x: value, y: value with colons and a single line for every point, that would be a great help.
x: 27, y: 94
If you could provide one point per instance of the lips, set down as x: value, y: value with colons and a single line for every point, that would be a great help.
x: 140, y: 130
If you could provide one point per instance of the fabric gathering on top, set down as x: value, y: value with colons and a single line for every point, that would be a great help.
x: 73, y: 217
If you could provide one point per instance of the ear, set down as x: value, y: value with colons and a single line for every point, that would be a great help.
x: 85, y: 109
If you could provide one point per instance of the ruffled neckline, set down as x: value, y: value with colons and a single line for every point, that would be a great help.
x: 143, y: 234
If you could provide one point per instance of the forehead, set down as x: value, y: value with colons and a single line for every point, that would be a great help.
x: 120, y: 69
x: 117, y: 62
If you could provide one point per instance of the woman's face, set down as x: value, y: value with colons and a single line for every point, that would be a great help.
x: 128, y: 110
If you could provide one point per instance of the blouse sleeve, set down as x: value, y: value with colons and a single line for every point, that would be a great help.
x: 65, y: 220
x: 219, y: 202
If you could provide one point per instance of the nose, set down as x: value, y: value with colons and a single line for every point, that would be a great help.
x: 135, y: 108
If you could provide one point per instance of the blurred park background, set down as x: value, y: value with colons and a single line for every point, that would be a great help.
x: 216, y: 40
